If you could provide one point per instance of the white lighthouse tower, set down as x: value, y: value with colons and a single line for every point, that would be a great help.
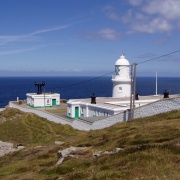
x: 122, y: 79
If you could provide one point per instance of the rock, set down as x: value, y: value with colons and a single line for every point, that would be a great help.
x: 60, y: 161
x: 100, y: 153
x: 71, y: 151
x: 6, y: 147
x: 58, y: 142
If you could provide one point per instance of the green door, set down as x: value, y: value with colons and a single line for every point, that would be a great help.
x: 76, y: 112
x: 53, y: 102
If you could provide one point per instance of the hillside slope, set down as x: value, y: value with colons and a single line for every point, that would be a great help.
x: 149, y: 149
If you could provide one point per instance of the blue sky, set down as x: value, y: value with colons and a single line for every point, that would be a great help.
x: 86, y: 37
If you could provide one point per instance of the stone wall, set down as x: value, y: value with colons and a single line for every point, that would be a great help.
x: 154, y: 108
x: 157, y: 107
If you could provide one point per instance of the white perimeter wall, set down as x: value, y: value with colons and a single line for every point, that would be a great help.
x: 143, y: 111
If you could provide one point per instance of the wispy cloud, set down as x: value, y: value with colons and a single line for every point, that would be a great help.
x: 22, y: 50
x: 73, y: 70
x: 50, y: 29
x: 103, y: 34
x: 16, y: 38
x: 135, y: 2
x: 108, y: 34
x: 155, y: 25
x: 111, y: 12
x: 17, y: 51
x: 33, y: 36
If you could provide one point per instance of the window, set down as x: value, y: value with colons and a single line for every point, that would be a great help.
x: 117, y: 70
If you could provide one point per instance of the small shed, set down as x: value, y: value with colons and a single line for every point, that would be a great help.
x: 43, y: 100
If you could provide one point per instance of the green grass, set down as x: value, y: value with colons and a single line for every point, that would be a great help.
x: 30, y: 129
x: 151, y: 149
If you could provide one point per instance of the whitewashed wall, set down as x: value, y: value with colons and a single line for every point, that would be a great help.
x: 157, y: 107
x: 143, y: 111
x: 162, y: 106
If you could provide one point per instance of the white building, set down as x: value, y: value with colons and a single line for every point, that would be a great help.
x: 107, y: 106
x: 122, y: 79
x: 43, y: 100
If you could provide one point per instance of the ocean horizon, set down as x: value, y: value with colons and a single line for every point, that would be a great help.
x: 76, y: 87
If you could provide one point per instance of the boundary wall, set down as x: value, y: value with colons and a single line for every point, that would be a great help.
x: 154, y: 108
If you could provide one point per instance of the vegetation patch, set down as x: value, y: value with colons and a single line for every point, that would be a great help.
x: 150, y: 148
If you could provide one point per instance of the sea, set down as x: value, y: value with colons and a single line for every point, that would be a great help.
x: 80, y: 87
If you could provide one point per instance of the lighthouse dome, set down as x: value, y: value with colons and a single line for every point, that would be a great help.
x: 122, y: 61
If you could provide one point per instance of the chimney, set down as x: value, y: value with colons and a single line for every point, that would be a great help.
x: 166, y: 94
x: 93, y: 99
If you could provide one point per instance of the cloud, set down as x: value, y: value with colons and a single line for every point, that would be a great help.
x: 111, y: 13
x: 21, y: 50
x: 16, y: 38
x: 33, y: 35
x: 132, y: 16
x: 135, y: 2
x: 155, y: 25
x: 168, y: 9
x: 155, y: 16
x: 50, y: 29
x: 17, y: 51
x: 41, y: 71
x: 108, y: 34
x: 103, y: 34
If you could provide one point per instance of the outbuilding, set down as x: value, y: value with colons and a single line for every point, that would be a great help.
x: 43, y: 100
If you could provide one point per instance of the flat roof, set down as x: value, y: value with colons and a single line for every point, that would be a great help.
x: 118, y: 103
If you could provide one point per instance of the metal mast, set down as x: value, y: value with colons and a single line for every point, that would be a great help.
x: 133, y: 90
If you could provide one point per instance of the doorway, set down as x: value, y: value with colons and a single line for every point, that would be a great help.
x: 76, y: 112
x: 53, y: 102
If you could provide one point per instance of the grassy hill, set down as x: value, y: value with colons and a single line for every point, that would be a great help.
x: 150, y: 149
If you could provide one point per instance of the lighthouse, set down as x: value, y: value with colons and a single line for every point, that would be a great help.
x: 122, y: 79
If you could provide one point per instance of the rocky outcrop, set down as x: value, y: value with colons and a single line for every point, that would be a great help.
x: 6, y: 147
x: 69, y: 152
x: 100, y: 153
x: 76, y: 152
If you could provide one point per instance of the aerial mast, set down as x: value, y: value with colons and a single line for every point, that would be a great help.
x: 156, y: 83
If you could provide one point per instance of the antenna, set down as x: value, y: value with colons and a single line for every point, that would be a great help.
x: 156, y: 83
